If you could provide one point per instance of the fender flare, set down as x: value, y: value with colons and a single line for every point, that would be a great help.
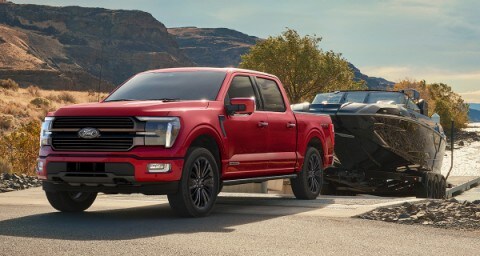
x: 204, y: 129
x: 315, y: 133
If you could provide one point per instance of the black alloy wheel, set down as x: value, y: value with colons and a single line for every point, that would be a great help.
x: 314, y: 177
x: 199, y: 185
x: 309, y: 182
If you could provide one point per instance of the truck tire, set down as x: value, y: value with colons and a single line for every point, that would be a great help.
x: 309, y: 182
x: 199, y: 185
x: 65, y: 201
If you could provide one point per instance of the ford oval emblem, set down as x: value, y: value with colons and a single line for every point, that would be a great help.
x: 89, y: 133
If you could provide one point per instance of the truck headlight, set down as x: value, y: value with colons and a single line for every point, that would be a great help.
x: 160, y: 130
x: 45, y: 131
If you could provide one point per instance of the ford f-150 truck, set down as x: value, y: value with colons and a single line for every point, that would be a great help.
x: 183, y: 132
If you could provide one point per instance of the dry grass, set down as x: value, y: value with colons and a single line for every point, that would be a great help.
x: 5, y: 166
x: 20, y: 114
x: 34, y: 91
x: 9, y: 84
x: 33, y: 103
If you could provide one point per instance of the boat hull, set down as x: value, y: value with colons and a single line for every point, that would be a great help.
x: 375, y: 142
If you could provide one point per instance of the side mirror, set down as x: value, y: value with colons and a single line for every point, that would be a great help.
x: 241, y: 106
x: 423, y: 106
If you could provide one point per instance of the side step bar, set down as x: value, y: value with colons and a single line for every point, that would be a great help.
x: 257, y: 179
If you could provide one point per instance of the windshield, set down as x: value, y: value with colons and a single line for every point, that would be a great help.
x: 189, y: 85
x: 386, y: 97
x: 360, y: 97
x: 332, y: 98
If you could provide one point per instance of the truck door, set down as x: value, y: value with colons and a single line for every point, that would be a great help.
x: 246, y: 135
x: 282, y: 137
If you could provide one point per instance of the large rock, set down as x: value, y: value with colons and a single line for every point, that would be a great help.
x: 215, y: 47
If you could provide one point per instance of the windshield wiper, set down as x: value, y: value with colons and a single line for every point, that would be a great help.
x: 121, y: 100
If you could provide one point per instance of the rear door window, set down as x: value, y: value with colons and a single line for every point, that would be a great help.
x: 272, y: 97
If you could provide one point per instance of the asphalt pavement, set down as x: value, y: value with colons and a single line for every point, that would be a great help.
x: 241, y: 224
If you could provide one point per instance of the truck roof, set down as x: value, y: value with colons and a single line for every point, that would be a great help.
x: 226, y: 70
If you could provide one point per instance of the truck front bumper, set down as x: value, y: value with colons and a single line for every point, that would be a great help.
x: 109, y: 174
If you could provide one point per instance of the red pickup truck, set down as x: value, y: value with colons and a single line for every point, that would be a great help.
x: 183, y: 132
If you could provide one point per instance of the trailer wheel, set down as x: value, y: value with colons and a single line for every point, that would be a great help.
x: 421, y: 188
x: 309, y: 182
x: 442, y: 187
x: 433, y: 186
x: 199, y: 185
x: 65, y: 201
x: 328, y: 189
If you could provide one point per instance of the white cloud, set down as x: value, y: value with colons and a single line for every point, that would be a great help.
x: 471, y: 97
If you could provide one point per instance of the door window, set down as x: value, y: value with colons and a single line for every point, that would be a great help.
x: 241, y: 87
x: 272, y: 97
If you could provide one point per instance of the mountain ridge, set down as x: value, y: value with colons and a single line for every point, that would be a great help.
x: 79, y: 48
x: 202, y: 44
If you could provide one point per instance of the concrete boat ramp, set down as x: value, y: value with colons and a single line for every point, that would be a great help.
x: 262, y: 204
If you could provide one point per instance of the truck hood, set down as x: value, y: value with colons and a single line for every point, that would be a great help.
x: 129, y: 108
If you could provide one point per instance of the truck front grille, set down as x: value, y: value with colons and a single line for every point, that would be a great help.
x: 116, y: 133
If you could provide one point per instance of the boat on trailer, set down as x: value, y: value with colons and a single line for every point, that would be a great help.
x: 385, y: 143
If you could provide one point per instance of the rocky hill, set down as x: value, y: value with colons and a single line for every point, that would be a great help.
x: 218, y: 47
x: 71, y: 47
x: 374, y: 83
x: 222, y: 47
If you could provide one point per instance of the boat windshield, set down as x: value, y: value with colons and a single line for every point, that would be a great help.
x: 325, y: 98
x: 386, y: 97
x: 360, y: 97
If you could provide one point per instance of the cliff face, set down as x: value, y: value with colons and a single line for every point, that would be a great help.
x: 70, y: 47
x: 213, y: 47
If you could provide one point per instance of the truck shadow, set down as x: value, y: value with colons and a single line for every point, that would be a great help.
x: 146, y: 221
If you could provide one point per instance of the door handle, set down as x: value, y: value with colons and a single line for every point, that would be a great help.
x: 262, y: 124
x: 291, y: 125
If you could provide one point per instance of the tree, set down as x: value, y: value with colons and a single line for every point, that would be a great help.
x: 421, y: 87
x: 441, y: 100
x: 304, y: 69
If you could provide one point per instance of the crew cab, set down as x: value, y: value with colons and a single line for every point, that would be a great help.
x: 183, y: 132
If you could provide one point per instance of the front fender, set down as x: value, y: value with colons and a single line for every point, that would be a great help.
x: 203, y: 129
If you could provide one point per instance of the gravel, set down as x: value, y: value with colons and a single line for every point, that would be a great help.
x: 11, y: 182
x: 450, y: 214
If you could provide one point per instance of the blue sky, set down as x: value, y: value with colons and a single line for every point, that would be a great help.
x: 435, y: 40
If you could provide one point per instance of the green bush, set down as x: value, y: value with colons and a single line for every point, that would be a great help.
x: 9, y: 84
x: 40, y: 102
